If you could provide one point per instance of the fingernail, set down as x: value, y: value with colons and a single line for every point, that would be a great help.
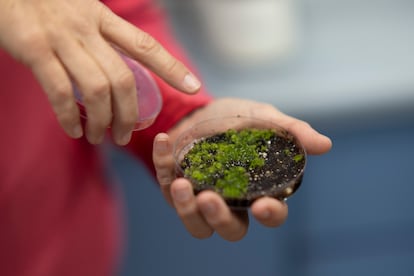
x: 182, y: 195
x: 77, y: 131
x: 190, y: 83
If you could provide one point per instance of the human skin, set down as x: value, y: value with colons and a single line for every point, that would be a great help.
x: 78, y: 41
x: 207, y: 212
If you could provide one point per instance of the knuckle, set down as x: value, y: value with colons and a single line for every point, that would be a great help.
x: 262, y: 108
x: 97, y: 90
x: 171, y: 66
x: 82, y: 25
x: 125, y: 82
x: 165, y: 175
x: 34, y: 38
x: 59, y: 93
x: 298, y: 124
x: 65, y: 109
x: 85, y: 27
x: 106, y: 17
x: 146, y: 44
x: 164, y: 180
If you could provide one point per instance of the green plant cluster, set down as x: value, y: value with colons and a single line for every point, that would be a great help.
x: 223, y: 161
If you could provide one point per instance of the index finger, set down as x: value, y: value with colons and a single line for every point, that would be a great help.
x: 144, y: 48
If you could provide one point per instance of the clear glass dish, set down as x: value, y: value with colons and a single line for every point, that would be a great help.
x: 285, y: 159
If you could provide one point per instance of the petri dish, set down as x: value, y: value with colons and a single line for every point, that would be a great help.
x: 148, y: 95
x: 279, y: 177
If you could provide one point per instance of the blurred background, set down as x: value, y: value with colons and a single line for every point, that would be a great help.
x: 347, y: 68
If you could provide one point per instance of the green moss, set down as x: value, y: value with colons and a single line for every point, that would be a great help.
x: 298, y: 157
x: 223, y: 161
x: 287, y: 152
x: 234, y: 183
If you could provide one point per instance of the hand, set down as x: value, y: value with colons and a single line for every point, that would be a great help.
x: 207, y: 212
x: 63, y: 41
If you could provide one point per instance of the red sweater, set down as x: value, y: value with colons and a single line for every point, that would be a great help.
x: 58, y: 213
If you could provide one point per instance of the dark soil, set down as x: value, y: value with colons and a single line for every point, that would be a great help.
x: 279, y: 177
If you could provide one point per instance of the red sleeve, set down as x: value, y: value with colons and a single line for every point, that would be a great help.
x: 176, y: 105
